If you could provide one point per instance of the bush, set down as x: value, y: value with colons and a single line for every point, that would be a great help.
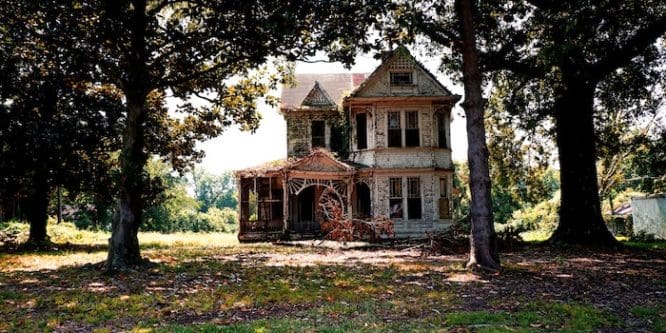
x: 215, y: 220
x: 543, y: 216
x: 12, y: 233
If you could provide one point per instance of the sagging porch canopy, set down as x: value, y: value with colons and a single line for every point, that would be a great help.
x: 285, y: 196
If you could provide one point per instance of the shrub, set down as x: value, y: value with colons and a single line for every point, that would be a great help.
x: 543, y: 216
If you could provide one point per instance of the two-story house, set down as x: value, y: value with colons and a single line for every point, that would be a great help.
x: 378, y: 143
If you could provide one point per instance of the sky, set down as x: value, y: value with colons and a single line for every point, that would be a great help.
x: 236, y: 149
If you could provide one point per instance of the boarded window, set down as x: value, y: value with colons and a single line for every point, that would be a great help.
x: 401, y: 78
x: 318, y: 133
x: 444, y: 203
x: 361, y: 131
x: 441, y: 130
x: 413, y: 198
x: 412, y: 129
x: 394, y: 130
x: 395, y: 198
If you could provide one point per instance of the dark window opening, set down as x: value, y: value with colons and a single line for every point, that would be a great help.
x: 444, y: 203
x: 363, y: 200
x: 441, y: 130
x: 412, y: 129
x: 361, y: 131
x: 413, y: 198
x: 394, y: 130
x: 395, y: 198
x: 401, y: 78
x: 318, y: 134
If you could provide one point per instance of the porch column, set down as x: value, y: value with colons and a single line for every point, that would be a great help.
x: 285, y: 203
x: 350, y: 190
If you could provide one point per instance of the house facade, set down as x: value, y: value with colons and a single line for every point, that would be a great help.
x: 377, y: 144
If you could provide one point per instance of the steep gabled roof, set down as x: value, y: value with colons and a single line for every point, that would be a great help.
x: 318, y: 97
x: 336, y: 85
x: 400, y: 58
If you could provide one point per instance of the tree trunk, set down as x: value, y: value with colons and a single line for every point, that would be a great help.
x: 38, y: 213
x: 580, y: 209
x: 124, y: 243
x: 483, y: 246
x: 59, y: 203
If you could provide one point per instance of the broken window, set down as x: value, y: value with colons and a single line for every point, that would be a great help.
x: 413, y: 198
x: 412, y: 129
x: 441, y: 130
x: 261, y: 199
x: 395, y: 198
x: 361, y: 131
x: 444, y: 208
x: 394, y: 130
x: 318, y: 134
x: 401, y: 78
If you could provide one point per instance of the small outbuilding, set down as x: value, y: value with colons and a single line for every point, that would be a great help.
x: 649, y: 215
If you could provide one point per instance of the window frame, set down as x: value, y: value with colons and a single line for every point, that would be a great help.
x: 408, y: 75
x: 444, y: 198
x: 414, y: 199
x: 442, y: 141
x: 396, y: 198
x: 362, y: 138
x: 321, y: 137
x: 412, y: 129
x: 392, y: 130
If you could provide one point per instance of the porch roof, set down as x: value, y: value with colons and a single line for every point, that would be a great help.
x: 318, y: 161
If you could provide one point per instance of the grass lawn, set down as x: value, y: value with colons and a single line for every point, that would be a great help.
x: 210, y: 283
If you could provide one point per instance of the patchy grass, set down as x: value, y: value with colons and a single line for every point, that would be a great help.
x: 210, y: 283
x: 655, y: 315
x: 651, y: 245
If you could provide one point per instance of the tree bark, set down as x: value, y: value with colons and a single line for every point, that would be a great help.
x: 38, y: 212
x: 124, y: 249
x: 59, y: 203
x: 483, y: 245
x: 580, y: 208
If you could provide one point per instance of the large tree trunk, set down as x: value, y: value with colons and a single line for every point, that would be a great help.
x: 124, y: 243
x: 580, y: 209
x: 38, y: 209
x: 483, y: 247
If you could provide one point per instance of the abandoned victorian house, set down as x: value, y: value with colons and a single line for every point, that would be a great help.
x: 379, y: 144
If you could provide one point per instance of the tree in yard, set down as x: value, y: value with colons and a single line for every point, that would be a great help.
x: 205, y: 50
x: 556, y: 54
x: 483, y: 246
x: 454, y: 28
x: 51, y: 126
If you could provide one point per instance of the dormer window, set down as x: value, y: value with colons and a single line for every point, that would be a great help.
x: 401, y: 78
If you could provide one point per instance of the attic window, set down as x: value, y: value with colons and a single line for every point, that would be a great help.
x: 401, y: 78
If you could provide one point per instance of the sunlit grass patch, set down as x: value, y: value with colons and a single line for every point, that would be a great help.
x: 651, y: 245
x: 535, y: 317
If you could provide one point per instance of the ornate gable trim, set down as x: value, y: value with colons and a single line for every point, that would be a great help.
x: 318, y: 97
x: 320, y: 160
x: 397, y: 60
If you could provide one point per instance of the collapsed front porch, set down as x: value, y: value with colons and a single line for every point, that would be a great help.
x: 286, y: 201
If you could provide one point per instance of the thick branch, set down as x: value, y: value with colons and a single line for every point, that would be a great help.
x: 632, y: 48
